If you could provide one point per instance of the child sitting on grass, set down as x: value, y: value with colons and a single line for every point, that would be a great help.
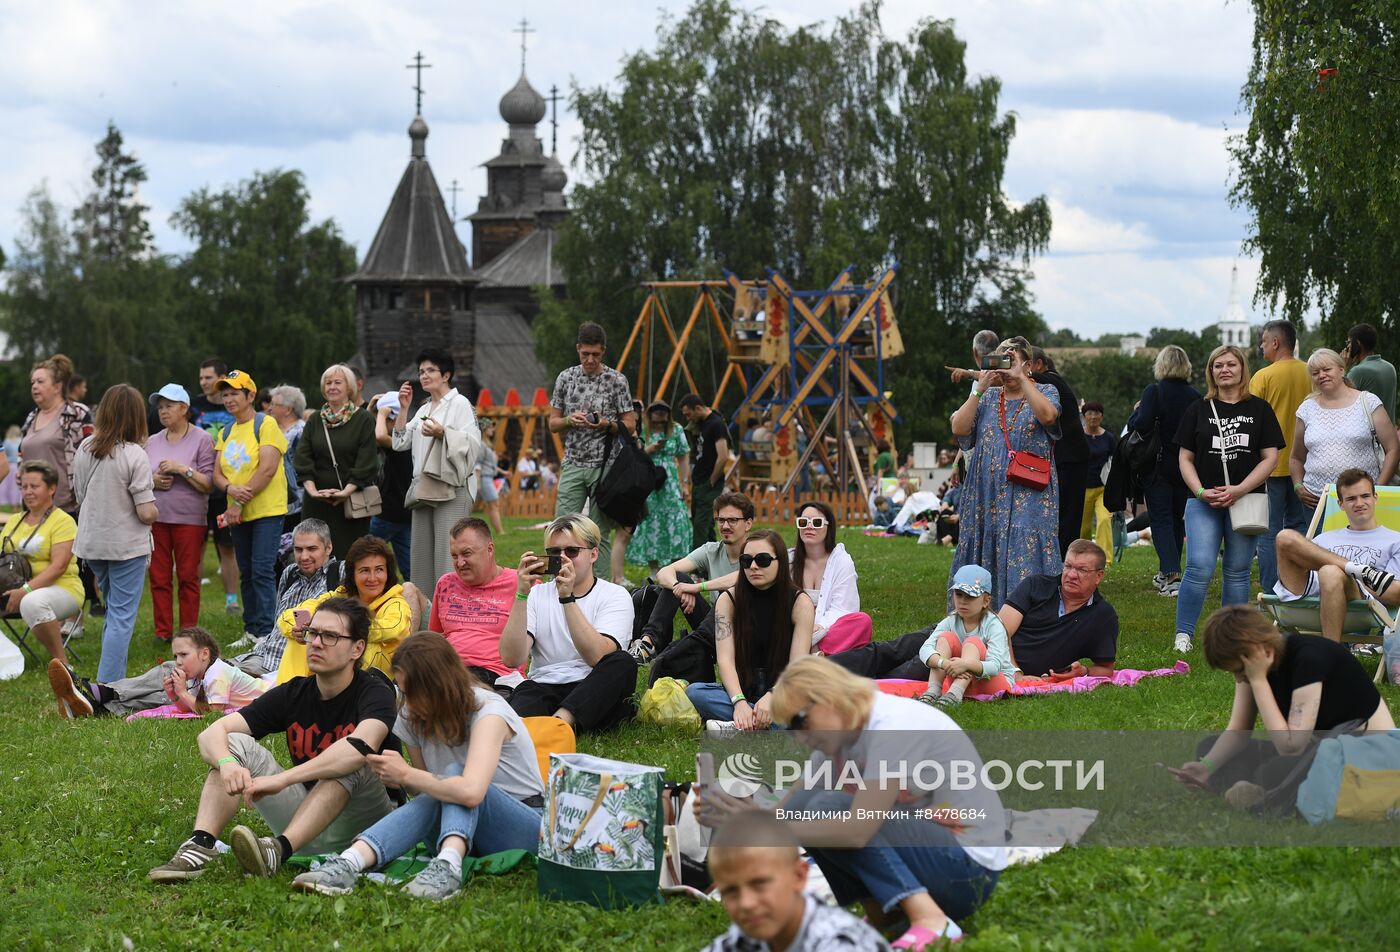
x: 197, y: 681
x: 970, y: 644
x: 760, y: 877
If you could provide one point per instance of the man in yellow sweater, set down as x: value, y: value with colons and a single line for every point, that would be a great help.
x: 1285, y: 383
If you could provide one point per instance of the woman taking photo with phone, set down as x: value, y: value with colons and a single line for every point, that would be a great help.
x: 1010, y: 515
x: 761, y: 625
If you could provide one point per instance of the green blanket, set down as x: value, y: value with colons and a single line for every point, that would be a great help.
x: 412, y: 863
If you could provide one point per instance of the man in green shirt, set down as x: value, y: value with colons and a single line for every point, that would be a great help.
x: 1368, y: 370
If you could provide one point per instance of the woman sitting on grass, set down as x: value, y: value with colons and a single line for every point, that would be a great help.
x: 1316, y: 680
x: 197, y: 681
x: 474, y: 772
x: 761, y: 625
x: 969, y: 644
x: 371, y: 576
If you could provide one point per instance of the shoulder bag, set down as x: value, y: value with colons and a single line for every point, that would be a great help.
x: 363, y: 502
x: 15, y: 569
x: 1022, y: 468
x: 1376, y: 447
x: 1249, y: 515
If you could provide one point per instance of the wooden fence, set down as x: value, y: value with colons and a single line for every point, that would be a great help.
x: 770, y: 508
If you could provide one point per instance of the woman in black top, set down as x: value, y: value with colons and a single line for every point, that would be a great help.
x: 1160, y: 411
x: 761, y: 624
x: 1295, y: 684
x: 1228, y: 429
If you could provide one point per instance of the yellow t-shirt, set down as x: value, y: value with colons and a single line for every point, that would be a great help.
x: 238, y: 460
x: 58, y: 527
x: 1284, y: 386
x: 390, y: 624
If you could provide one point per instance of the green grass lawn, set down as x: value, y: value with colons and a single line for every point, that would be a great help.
x: 86, y: 808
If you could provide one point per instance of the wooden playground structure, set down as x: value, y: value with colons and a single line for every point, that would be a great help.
x: 808, y: 365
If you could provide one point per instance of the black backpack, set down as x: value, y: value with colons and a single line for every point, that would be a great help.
x: 621, y: 491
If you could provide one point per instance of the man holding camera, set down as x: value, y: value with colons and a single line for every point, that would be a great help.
x: 574, y: 630
x: 590, y: 405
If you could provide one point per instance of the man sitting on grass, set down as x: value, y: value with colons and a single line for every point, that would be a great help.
x: 760, y: 876
x: 332, y: 719
x: 1333, y: 565
x: 1054, y: 622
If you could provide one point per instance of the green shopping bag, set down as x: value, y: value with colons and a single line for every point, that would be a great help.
x: 601, y: 836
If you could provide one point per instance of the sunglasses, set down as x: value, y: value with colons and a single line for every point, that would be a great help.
x: 568, y: 551
x: 328, y: 638
x: 815, y: 522
x: 762, y: 560
x: 798, y: 721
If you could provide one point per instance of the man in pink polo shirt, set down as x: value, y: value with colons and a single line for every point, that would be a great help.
x: 472, y: 603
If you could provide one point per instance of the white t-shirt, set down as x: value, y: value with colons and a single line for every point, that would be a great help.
x: 904, y: 731
x: 554, y: 659
x: 1337, y: 440
x: 1379, y: 547
x: 518, y: 770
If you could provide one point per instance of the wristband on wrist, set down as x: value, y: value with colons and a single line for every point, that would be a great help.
x: 1210, y: 767
x: 704, y: 586
x: 1297, y: 487
x: 522, y: 596
x: 28, y: 589
x: 737, y: 698
x: 1200, y: 492
x: 227, y: 760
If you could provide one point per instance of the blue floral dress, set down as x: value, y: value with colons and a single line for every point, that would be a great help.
x: 1011, y: 531
x: 664, y: 535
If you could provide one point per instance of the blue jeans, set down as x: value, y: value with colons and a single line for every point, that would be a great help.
x: 1166, y: 512
x: 397, y: 534
x: 924, y: 858
x: 1206, y: 528
x: 121, y: 582
x: 1285, y: 512
x: 255, y: 546
x: 711, y: 700
x: 499, y: 822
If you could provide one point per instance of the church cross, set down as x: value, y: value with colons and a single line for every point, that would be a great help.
x: 553, y: 100
x: 454, y: 189
x: 418, y: 66
x: 523, y: 29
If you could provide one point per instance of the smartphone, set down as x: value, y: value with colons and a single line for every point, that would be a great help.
x: 996, y: 362
x: 594, y: 418
x: 705, y: 770
x: 552, y: 565
x: 303, y: 617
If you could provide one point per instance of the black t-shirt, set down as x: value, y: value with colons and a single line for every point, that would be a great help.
x: 1071, y: 447
x: 1250, y: 426
x: 394, y: 477
x: 313, y: 723
x: 1100, y: 449
x: 1347, y: 691
x: 712, y: 430
x: 1048, y: 642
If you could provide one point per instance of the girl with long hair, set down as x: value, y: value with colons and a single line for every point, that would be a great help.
x: 474, y: 775
x: 761, y: 625
x: 823, y: 569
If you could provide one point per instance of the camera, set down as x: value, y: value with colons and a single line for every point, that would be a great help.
x: 996, y: 362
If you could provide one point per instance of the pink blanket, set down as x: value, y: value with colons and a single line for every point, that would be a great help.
x: 175, y: 710
x: 1025, y: 685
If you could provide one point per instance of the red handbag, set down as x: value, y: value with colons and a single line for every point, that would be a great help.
x: 1023, y: 468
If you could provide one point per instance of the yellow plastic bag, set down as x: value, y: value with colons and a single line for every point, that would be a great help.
x: 665, y: 703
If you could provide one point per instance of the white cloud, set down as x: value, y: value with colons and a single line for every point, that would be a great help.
x: 1076, y: 231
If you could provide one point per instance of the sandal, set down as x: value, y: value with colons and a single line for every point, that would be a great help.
x: 642, y: 649
x: 919, y: 938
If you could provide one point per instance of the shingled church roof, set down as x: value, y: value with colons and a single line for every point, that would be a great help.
x: 416, y: 242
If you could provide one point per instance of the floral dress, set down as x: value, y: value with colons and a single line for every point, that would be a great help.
x: 1011, y: 531
x: 664, y: 535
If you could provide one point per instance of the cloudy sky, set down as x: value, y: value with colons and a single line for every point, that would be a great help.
x: 1123, y: 108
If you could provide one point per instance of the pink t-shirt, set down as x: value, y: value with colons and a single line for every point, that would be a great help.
x: 472, y: 618
x: 182, y: 504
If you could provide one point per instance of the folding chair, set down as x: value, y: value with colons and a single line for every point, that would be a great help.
x: 20, y: 632
x: 1367, y: 619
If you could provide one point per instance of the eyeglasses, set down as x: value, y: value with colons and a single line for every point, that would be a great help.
x: 568, y: 551
x: 1079, y: 570
x: 798, y: 721
x: 762, y: 560
x: 815, y: 522
x: 729, y: 520
x: 327, y: 638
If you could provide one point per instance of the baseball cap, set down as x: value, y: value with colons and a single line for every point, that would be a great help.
x: 972, y: 580
x: 238, y: 380
x: 172, y: 392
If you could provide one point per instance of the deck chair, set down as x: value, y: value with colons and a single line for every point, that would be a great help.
x: 19, y: 633
x: 1366, y: 619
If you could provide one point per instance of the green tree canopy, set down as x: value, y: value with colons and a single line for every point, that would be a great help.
x: 1316, y: 167
x: 738, y: 143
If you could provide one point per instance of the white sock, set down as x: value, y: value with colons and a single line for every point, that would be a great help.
x: 1354, y: 569
x: 959, y: 685
x: 453, y: 857
x: 352, y: 856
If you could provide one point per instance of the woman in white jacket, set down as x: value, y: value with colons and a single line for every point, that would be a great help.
x: 447, y: 416
x: 823, y: 569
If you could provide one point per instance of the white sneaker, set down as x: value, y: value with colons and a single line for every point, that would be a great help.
x: 928, y: 537
x: 722, y: 727
x: 249, y: 640
x: 1159, y: 581
x: 1183, y: 642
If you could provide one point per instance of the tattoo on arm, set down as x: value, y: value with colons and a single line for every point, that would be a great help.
x: 723, y: 628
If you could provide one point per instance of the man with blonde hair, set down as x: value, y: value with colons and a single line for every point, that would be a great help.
x: 574, y: 629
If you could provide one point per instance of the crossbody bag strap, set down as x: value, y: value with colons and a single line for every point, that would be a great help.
x: 327, y: 430
x: 10, y: 536
x: 1215, y: 414
x: 1001, y: 415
